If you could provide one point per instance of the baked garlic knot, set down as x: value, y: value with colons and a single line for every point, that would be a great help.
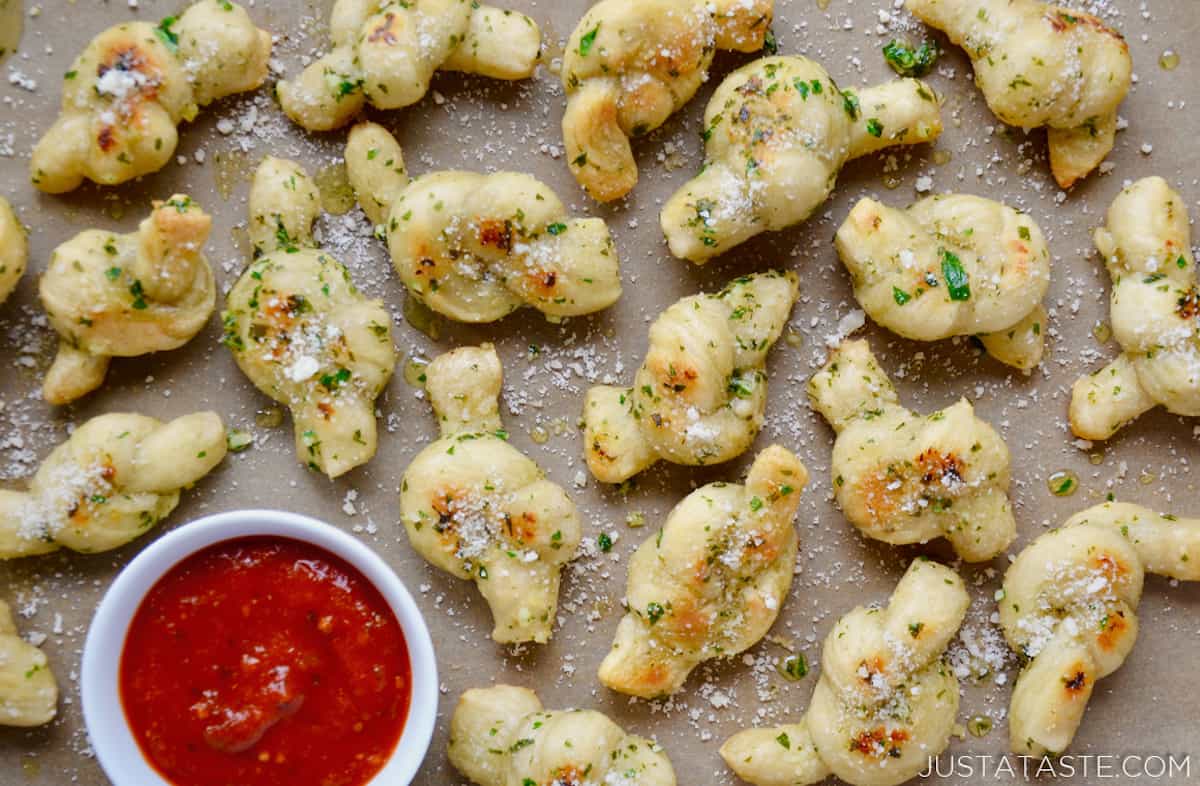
x: 885, y: 702
x: 502, y: 736
x: 115, y: 478
x: 475, y: 247
x: 302, y: 332
x: 477, y: 508
x: 28, y: 690
x: 110, y: 295
x: 905, y: 478
x: 631, y: 64
x: 711, y: 583
x: 135, y: 82
x: 385, y: 52
x: 1070, y: 608
x: 700, y: 394
x: 776, y: 133
x: 1154, y: 310
x: 951, y: 265
x: 1042, y: 65
x: 14, y: 249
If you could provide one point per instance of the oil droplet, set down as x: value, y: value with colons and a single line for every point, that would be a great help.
x: 269, y: 417
x: 414, y: 370
x: 1146, y: 478
x: 1102, y: 332
x: 539, y: 435
x: 1096, y: 458
x: 941, y: 157
x: 230, y: 168
x: 979, y: 726
x: 1169, y: 60
x: 421, y: 317
x: 116, y: 209
x: 794, y: 340
x: 11, y: 17
x: 1063, y: 483
x: 822, y: 4
x: 241, y: 240
x: 337, y: 195
x: 891, y: 182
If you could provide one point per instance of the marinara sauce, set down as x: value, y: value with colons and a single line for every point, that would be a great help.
x: 263, y: 661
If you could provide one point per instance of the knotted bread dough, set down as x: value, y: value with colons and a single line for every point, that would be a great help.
x: 901, y: 477
x: 885, y: 702
x: 302, y: 332
x: 1043, y: 65
x: 476, y: 507
x: 712, y: 582
x: 477, y: 247
x: 700, y: 395
x: 132, y: 85
x: 1070, y: 607
x: 113, y: 480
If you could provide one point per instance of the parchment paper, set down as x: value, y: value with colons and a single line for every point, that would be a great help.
x: 1147, y: 707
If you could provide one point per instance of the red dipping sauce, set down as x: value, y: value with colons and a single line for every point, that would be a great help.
x: 263, y: 661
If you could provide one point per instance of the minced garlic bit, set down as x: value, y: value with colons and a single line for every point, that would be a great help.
x: 701, y: 393
x: 711, y: 583
x: 477, y: 508
x: 501, y: 736
x: 951, y: 265
x: 134, y: 83
x: 302, y: 332
x: 114, y: 479
x: 777, y: 132
x: 630, y: 64
x: 477, y: 247
x: 885, y: 702
x: 385, y: 53
x: 122, y: 295
x: 1154, y: 307
x: 1069, y: 605
x: 28, y: 690
x: 901, y: 477
x: 1043, y: 65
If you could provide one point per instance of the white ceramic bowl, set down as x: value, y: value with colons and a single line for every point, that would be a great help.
x: 114, y: 743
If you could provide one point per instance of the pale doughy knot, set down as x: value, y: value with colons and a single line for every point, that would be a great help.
x: 134, y: 83
x: 1042, y: 65
x: 28, y: 690
x: 14, y: 250
x: 701, y: 393
x: 1069, y: 606
x: 385, y: 52
x: 110, y: 295
x: 951, y: 265
x: 113, y: 480
x: 777, y: 132
x: 477, y: 247
x: 302, y: 332
x: 712, y: 582
x: 501, y: 736
x: 631, y: 64
x: 885, y: 702
x: 476, y: 507
x: 1155, y: 314
x: 901, y: 477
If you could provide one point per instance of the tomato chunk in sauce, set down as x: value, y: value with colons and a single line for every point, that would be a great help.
x: 263, y: 661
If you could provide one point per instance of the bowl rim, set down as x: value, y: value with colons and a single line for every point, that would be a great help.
x: 118, y: 751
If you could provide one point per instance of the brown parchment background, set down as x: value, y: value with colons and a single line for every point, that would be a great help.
x: 1149, y: 706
